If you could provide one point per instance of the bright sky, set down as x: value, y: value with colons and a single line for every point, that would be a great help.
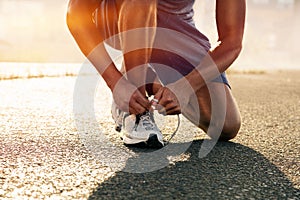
x: 35, y: 31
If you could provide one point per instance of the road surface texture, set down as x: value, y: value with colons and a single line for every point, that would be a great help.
x: 42, y: 156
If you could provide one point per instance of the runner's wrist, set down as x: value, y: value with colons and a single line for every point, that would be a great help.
x: 112, y: 78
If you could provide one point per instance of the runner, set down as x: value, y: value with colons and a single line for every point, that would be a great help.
x: 165, y: 56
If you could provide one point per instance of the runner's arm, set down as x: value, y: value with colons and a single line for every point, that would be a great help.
x: 230, y: 19
x: 90, y: 41
x: 88, y: 37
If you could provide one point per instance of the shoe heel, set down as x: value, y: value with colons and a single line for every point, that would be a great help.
x: 153, y: 142
x: 118, y: 128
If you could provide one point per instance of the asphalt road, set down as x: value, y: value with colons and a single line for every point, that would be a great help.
x: 42, y: 156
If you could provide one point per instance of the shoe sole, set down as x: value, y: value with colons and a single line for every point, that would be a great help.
x: 152, y: 142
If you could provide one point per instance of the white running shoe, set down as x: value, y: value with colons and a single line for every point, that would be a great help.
x: 138, y: 129
x: 117, y: 116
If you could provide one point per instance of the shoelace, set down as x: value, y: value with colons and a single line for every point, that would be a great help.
x: 147, y: 121
x: 174, y: 133
x: 150, y: 124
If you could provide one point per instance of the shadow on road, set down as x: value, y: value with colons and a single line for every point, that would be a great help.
x: 230, y: 171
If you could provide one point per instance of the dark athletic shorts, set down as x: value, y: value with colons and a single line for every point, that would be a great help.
x: 168, y: 66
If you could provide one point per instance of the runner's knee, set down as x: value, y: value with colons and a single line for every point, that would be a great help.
x: 79, y: 14
x: 137, y: 9
x: 230, y: 129
x: 73, y: 13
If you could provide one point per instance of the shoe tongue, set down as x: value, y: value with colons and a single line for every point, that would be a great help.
x: 138, y: 118
x: 141, y: 116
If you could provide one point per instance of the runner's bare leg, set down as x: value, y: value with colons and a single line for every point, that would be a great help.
x: 232, y: 123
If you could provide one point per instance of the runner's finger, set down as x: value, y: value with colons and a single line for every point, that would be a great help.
x: 161, y: 110
x: 174, y: 111
x: 173, y: 107
x: 158, y: 95
x: 143, y: 102
x: 138, y: 108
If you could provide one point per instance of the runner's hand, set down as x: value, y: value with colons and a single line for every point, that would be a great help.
x: 129, y: 98
x: 168, y: 104
x: 173, y: 98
